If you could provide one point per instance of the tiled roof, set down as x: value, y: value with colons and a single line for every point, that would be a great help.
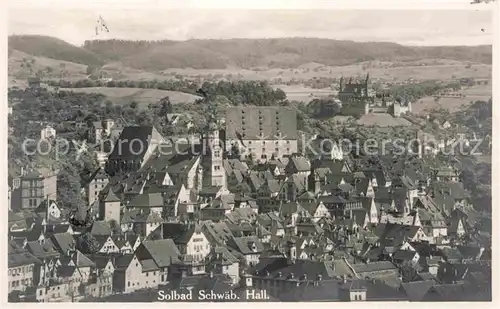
x: 244, y: 244
x: 63, y: 242
x: 163, y: 251
x: 180, y: 233
x: 134, y: 142
x: 20, y: 259
x: 374, y: 266
x: 255, y: 122
x: 148, y: 265
x: 42, y: 251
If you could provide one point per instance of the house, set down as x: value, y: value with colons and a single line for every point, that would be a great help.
x: 280, y: 275
x: 98, y: 181
x: 22, y: 269
x: 128, y: 154
x: 375, y: 269
x: 101, y: 283
x: 106, y: 244
x: 192, y: 243
x: 446, y: 124
x: 457, y: 223
x: 34, y: 83
x: 49, y: 209
x: 404, y: 256
x: 48, y: 133
x: 48, y: 255
x: 249, y: 246
x: 163, y: 252
x: 131, y: 274
x: 37, y: 186
x: 221, y: 261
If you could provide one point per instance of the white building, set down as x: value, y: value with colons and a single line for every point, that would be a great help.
x: 48, y: 132
x: 262, y: 132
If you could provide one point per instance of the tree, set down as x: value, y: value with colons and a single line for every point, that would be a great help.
x: 115, y: 227
x: 408, y: 271
x: 88, y: 243
x: 62, y: 66
x: 90, y: 70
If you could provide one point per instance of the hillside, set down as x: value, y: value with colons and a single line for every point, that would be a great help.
x: 282, y: 53
x: 50, y: 68
x: 241, y: 53
x: 49, y: 47
x: 143, y: 97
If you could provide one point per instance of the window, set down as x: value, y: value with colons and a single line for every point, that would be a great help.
x: 216, y: 167
x: 147, y: 274
x: 41, y: 292
x: 128, y: 284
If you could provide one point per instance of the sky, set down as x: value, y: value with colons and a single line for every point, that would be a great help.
x: 407, y: 27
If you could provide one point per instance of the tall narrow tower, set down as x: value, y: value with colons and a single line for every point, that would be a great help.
x: 213, y: 169
x: 367, y: 81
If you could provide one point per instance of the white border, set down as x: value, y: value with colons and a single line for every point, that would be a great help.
x: 255, y: 4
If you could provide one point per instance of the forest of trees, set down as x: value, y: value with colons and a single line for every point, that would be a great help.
x: 413, y: 92
x: 258, y: 93
x: 243, y: 53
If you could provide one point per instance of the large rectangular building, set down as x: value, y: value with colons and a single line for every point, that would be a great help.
x: 36, y: 186
x: 263, y: 132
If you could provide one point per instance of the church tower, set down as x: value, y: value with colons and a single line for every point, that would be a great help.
x: 367, y: 82
x: 212, y: 160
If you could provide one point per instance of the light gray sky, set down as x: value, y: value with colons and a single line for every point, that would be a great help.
x: 408, y: 27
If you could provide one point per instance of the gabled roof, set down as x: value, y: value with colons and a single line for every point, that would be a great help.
x: 246, y: 121
x: 244, y: 244
x: 180, y: 233
x: 147, y: 200
x: 416, y: 290
x: 100, y: 228
x: 111, y: 197
x: 42, y: 251
x: 22, y: 258
x: 373, y: 267
x: 126, y: 146
x: 63, y: 242
x: 163, y: 251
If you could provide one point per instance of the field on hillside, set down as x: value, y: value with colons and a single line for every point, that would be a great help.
x: 382, y: 120
x: 304, y: 94
x: 425, y: 105
x: 48, y: 67
x: 384, y: 71
x: 141, y: 96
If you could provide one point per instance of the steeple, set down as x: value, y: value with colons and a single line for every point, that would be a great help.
x: 367, y: 81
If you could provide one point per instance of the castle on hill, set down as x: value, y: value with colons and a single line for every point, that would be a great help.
x: 359, y: 92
